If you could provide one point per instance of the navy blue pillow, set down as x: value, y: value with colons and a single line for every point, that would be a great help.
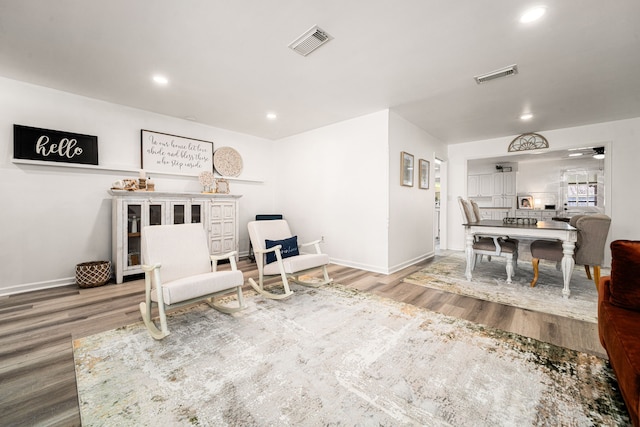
x: 289, y: 248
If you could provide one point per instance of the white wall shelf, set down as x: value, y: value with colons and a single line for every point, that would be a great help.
x: 126, y: 169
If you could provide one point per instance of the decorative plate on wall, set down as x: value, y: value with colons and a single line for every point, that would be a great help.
x: 227, y: 161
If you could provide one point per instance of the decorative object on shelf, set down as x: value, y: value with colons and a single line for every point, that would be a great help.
x: 134, y: 258
x: 151, y: 186
x: 522, y: 221
x: 207, y: 181
x: 118, y: 185
x: 424, y: 174
x: 406, y: 169
x: 222, y: 186
x: 528, y: 141
x: 93, y: 273
x: 227, y: 161
x: 165, y: 153
x: 525, y: 202
x: 134, y: 224
x: 142, y: 181
x: 130, y: 184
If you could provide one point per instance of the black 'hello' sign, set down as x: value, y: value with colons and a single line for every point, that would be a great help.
x: 54, y: 146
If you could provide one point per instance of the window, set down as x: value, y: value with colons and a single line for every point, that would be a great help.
x: 582, y: 188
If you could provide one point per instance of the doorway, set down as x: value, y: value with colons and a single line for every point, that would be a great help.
x: 440, y: 210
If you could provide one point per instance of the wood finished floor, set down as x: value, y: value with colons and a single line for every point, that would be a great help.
x: 37, y: 376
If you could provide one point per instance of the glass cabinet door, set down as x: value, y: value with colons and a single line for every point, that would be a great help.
x: 196, y: 213
x: 134, y: 224
x: 178, y: 213
x: 155, y: 214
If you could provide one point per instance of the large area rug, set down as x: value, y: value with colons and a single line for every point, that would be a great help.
x: 446, y: 273
x: 333, y: 356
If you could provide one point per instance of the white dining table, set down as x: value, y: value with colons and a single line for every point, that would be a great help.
x: 549, y: 230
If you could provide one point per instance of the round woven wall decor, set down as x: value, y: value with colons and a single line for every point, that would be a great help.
x: 227, y: 161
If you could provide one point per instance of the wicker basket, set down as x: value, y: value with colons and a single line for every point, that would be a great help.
x: 92, y: 274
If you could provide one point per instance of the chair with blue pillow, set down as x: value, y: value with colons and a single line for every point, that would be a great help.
x: 278, y: 253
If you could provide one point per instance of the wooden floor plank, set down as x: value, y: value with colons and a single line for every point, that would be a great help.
x: 37, y: 376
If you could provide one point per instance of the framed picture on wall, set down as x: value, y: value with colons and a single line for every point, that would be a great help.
x: 173, y: 154
x: 424, y: 174
x: 525, y: 202
x: 406, y: 169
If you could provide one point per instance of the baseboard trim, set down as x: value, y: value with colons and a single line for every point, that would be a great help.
x: 359, y: 266
x: 381, y: 270
x: 411, y: 262
x: 37, y: 286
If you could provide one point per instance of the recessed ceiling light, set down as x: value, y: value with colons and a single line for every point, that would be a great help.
x: 575, y: 154
x: 533, y: 14
x: 272, y: 116
x: 526, y: 116
x: 161, y: 80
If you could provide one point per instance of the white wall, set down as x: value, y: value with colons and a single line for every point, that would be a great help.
x: 621, y: 138
x: 56, y: 217
x: 333, y: 182
x: 411, y: 217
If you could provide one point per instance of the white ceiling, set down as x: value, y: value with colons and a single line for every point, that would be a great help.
x: 229, y: 64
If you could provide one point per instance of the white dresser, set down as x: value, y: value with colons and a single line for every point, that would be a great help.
x: 132, y: 210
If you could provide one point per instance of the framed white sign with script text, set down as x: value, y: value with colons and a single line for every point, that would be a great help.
x: 172, y: 154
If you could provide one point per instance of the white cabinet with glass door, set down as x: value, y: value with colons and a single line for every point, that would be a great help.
x: 133, y: 210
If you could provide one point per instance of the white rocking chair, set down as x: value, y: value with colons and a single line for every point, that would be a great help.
x: 179, y: 271
x: 287, y: 261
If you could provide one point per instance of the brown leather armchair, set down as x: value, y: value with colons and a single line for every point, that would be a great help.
x: 589, y: 250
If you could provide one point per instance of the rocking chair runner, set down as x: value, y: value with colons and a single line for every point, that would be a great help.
x: 277, y: 253
x: 179, y: 271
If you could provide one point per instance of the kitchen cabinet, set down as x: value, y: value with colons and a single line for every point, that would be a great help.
x: 504, y: 184
x: 507, y: 202
x: 480, y: 185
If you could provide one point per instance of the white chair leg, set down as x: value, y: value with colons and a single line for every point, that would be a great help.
x: 326, y: 280
x: 271, y: 295
x: 509, y: 268
x: 145, y: 310
x: 325, y: 272
x: 240, y: 297
x: 155, y: 333
x: 229, y: 310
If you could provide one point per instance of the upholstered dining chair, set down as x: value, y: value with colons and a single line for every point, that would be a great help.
x: 278, y: 254
x: 476, y: 212
x: 178, y: 270
x: 589, y: 250
x: 501, y: 246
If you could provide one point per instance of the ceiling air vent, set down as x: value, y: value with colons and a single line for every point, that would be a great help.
x: 503, y: 72
x: 310, y: 41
